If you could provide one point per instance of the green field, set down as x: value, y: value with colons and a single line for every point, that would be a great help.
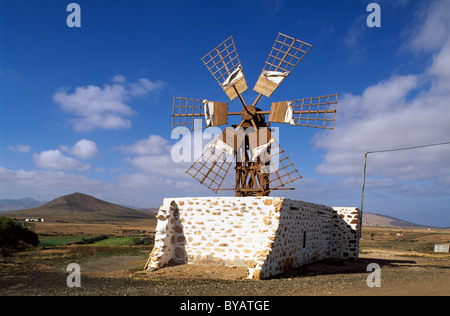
x: 115, y: 241
x: 47, y: 241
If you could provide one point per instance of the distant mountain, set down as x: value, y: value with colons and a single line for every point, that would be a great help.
x: 379, y: 220
x: 86, y: 208
x: 80, y: 207
x: 14, y: 205
x: 151, y: 210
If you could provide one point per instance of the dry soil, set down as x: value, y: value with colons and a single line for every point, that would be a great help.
x: 123, y: 275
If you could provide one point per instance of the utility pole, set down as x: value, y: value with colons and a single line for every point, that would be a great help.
x: 383, y: 151
x: 364, y: 184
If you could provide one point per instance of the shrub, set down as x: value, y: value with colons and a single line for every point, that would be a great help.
x: 87, y: 241
x: 143, y: 241
x: 14, y: 237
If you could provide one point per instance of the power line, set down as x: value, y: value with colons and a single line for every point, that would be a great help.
x: 406, y: 148
x: 383, y: 151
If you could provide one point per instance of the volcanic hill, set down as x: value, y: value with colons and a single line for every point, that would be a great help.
x: 379, y: 220
x: 79, y: 207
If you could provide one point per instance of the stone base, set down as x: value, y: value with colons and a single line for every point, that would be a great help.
x: 267, y: 235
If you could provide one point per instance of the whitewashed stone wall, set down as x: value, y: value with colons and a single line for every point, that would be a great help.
x: 268, y: 235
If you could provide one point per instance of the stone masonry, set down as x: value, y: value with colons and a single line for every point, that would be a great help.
x: 268, y: 235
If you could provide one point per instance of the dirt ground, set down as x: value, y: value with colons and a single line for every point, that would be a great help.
x: 407, y: 269
x: 123, y: 275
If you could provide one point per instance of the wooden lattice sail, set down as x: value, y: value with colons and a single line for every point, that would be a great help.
x: 194, y: 114
x: 223, y: 63
x: 313, y: 112
x: 213, y: 165
x: 286, y: 53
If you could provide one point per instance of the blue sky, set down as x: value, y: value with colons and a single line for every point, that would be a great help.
x: 89, y: 109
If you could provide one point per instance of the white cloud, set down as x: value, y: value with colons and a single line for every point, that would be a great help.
x: 119, y: 79
x: 143, y: 86
x: 153, y: 145
x: 432, y: 28
x: 20, y: 148
x: 52, y: 179
x: 104, y: 108
x: 159, y: 164
x: 353, y: 39
x: 399, y: 112
x: 387, y: 96
x: 55, y: 160
x: 46, y: 184
x: 145, y: 181
x: 157, y: 174
x: 440, y: 68
x: 354, y: 35
x: 83, y: 149
x: 144, y: 187
x: 384, y: 124
x: 153, y: 157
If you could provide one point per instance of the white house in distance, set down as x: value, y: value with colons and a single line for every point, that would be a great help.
x: 442, y: 248
x: 34, y: 219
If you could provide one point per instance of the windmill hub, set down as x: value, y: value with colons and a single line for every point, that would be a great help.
x: 248, y: 113
x: 260, y: 163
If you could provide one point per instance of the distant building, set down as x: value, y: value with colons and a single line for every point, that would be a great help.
x: 441, y: 247
x: 34, y: 219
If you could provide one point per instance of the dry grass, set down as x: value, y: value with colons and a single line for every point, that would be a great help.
x: 409, y: 268
x: 116, y: 229
x: 406, y: 240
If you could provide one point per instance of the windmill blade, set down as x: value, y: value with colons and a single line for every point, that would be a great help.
x: 286, y: 53
x: 277, y: 164
x: 194, y: 114
x: 213, y: 165
x: 223, y: 63
x: 281, y: 170
x: 316, y: 112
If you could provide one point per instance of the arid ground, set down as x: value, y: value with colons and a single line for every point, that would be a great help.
x: 408, y: 267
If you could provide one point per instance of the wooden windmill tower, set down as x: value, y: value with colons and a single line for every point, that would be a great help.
x: 261, y: 165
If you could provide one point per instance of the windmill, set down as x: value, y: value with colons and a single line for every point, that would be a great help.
x: 261, y: 165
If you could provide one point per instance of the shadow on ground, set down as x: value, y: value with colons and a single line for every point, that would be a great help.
x: 326, y: 267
